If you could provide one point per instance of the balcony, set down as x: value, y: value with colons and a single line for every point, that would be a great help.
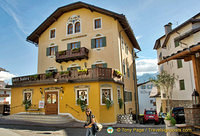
x: 73, y: 76
x: 71, y: 55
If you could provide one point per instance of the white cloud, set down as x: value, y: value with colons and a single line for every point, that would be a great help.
x: 6, y: 76
x: 11, y: 10
x: 144, y: 66
x: 138, y: 37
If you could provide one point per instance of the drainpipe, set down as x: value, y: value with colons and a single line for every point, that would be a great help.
x: 120, y: 37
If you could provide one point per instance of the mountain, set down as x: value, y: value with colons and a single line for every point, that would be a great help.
x: 145, y: 77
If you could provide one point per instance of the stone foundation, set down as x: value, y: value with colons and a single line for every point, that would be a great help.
x: 192, y: 115
x: 125, y: 119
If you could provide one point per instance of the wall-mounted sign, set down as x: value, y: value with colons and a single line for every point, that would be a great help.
x: 41, y: 104
x: 4, y: 95
x: 80, y: 36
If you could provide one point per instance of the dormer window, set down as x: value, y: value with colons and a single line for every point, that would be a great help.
x: 52, y: 33
x: 97, y: 23
x: 70, y: 29
x: 77, y: 27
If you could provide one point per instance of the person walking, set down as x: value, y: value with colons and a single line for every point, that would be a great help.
x: 90, y: 122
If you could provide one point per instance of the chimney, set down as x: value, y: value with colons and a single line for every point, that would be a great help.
x: 168, y: 28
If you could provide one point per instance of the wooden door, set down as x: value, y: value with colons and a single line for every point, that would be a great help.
x: 51, y: 103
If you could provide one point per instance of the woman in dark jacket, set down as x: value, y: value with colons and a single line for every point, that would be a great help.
x: 90, y: 122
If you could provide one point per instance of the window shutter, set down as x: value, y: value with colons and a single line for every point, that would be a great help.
x: 47, y: 71
x: 55, y: 70
x: 92, y: 43
x: 69, y: 46
x: 104, y: 41
x: 48, y: 52
x: 78, y: 44
x: 56, y: 49
x: 93, y: 66
x: 182, y: 85
x: 105, y: 65
x: 176, y: 43
x: 79, y: 68
x: 179, y: 64
x: 68, y: 69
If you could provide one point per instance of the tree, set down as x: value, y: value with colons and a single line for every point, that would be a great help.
x: 166, y: 83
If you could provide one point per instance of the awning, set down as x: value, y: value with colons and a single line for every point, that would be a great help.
x: 154, y: 92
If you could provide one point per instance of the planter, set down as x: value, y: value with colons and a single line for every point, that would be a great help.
x: 117, y: 74
x: 171, y: 131
x: 168, y: 123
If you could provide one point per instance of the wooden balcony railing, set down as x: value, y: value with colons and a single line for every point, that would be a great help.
x: 92, y: 74
x: 71, y: 55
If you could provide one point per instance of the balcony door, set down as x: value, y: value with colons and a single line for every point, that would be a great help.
x: 51, y: 103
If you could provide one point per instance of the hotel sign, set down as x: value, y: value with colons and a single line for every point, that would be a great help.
x: 4, y: 95
x: 80, y: 36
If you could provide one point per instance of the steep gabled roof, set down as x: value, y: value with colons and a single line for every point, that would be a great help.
x: 34, y: 36
x: 191, y: 20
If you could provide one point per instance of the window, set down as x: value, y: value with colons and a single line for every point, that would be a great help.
x: 73, y: 45
x: 70, y: 29
x: 28, y: 96
x: 143, y: 87
x: 149, y: 86
x: 97, y: 23
x: 126, y: 48
x: 102, y: 65
x: 127, y: 96
x: 51, y: 51
x: 151, y: 101
x: 179, y: 63
x: 82, y: 94
x: 77, y: 27
x: 182, y: 84
x: 51, y: 69
x: 74, y: 68
x: 106, y: 94
x: 160, y: 56
x: 176, y: 43
x: 98, y: 43
x: 52, y: 33
x: 118, y: 93
x: 164, y: 95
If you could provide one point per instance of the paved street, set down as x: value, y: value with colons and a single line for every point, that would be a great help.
x: 15, y: 130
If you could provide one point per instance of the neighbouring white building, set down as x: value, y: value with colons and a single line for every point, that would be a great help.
x: 5, y: 94
x: 175, y: 40
x: 145, y: 102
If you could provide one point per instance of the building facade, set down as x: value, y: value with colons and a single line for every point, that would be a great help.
x: 145, y: 101
x: 175, y: 40
x: 82, y: 51
x: 5, y: 94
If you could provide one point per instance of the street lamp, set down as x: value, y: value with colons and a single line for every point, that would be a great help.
x: 195, y: 98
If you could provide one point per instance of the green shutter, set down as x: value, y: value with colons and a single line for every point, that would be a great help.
x: 55, y: 70
x: 69, y: 46
x: 92, y: 43
x: 105, y: 65
x: 182, y: 84
x: 56, y: 49
x: 176, y: 43
x: 179, y: 64
x: 128, y: 74
x: 78, y: 44
x: 68, y: 69
x: 93, y: 66
x: 48, y: 51
x: 47, y: 71
x: 104, y: 41
x: 79, y: 68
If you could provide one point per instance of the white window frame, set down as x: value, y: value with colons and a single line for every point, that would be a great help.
x: 52, y: 45
x: 94, y: 23
x: 82, y: 89
x: 50, y: 33
x: 73, y: 24
x: 28, y: 92
x: 111, y: 92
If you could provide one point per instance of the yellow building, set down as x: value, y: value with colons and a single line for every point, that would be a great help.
x: 82, y: 49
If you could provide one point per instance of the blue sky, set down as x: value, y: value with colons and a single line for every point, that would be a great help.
x: 147, y: 17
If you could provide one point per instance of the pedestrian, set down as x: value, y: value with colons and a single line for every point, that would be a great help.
x: 90, y: 122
